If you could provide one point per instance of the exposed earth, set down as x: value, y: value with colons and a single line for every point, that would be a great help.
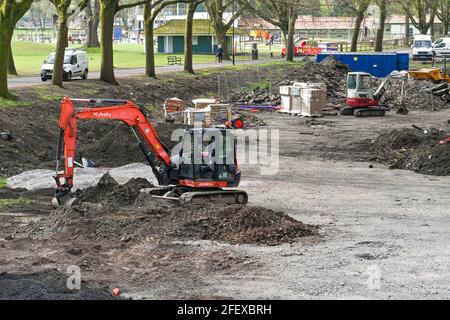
x: 336, y: 220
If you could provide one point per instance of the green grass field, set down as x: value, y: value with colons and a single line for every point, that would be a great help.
x: 29, y: 56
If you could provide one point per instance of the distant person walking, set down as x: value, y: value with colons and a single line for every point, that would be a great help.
x: 219, y: 53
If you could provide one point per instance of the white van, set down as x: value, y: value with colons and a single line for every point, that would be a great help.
x: 75, y: 65
x: 441, y: 46
x: 422, y: 47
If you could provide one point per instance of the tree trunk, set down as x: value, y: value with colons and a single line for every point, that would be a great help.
x: 5, y: 41
x: 290, y: 39
x: 10, y: 13
x: 107, y: 12
x: 61, y: 44
x: 11, y: 65
x: 380, y: 30
x: 188, y: 65
x: 92, y: 40
x: 149, y: 42
x: 445, y: 27
x: 407, y: 35
x: 222, y: 40
x: 356, y: 30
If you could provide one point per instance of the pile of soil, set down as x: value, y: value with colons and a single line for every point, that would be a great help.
x: 110, y: 211
x: 417, y: 95
x: 112, y: 193
x: 48, y: 285
x: 250, y: 225
x: 414, y: 150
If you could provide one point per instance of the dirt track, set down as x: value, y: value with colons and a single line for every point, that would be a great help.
x: 372, y: 221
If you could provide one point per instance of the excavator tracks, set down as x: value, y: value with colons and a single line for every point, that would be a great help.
x: 369, y: 112
x: 216, y: 196
x: 362, y: 112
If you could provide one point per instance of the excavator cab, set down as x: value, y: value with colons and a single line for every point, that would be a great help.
x: 361, y: 100
x: 208, y: 157
x: 359, y: 90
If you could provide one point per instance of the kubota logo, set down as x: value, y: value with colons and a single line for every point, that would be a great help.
x: 102, y: 114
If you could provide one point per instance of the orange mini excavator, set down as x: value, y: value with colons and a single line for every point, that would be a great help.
x: 198, y: 172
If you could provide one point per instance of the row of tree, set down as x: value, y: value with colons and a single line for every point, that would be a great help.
x: 101, y: 14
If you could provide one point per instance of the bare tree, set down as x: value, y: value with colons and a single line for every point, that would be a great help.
x: 151, y: 10
x: 10, y: 13
x: 65, y: 12
x: 216, y: 10
x: 40, y: 12
x: 282, y: 14
x: 127, y: 19
x: 443, y: 13
x: 420, y: 12
x: 108, y: 10
x: 358, y: 9
x: 188, y: 50
x: 382, y: 4
x: 93, y: 20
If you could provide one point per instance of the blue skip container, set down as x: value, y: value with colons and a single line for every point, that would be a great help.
x: 378, y: 64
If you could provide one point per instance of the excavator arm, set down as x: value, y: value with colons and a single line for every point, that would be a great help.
x: 123, y: 110
x: 402, y: 75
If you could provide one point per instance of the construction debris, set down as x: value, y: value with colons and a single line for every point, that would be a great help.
x: 419, y: 96
x: 412, y: 149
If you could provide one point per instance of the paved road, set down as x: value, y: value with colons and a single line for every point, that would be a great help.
x: 121, y: 73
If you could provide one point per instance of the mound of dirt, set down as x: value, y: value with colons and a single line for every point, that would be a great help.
x: 339, y: 67
x: 414, y: 150
x: 237, y: 225
x: 47, y: 285
x: 110, y: 211
x: 110, y: 192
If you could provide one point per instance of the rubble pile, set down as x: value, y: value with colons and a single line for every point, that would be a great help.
x: 418, y: 95
x: 414, y: 150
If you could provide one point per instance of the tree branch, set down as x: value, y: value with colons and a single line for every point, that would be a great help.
x: 131, y: 5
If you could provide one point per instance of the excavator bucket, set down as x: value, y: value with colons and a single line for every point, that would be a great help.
x: 65, y: 201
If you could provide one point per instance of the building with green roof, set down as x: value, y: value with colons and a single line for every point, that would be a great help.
x: 170, y: 37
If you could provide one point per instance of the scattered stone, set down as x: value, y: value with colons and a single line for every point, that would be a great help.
x: 5, y: 136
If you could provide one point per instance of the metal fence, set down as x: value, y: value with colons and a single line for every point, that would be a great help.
x: 370, y: 45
